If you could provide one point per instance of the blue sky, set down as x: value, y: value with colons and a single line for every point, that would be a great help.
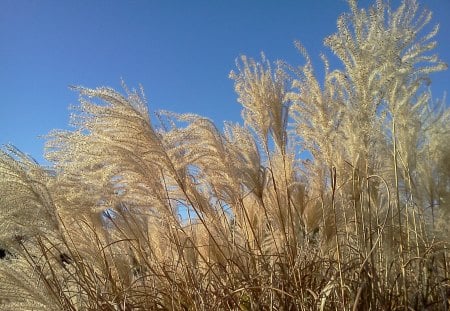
x: 180, y: 51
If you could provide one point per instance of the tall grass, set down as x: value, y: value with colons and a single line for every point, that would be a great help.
x: 171, y: 213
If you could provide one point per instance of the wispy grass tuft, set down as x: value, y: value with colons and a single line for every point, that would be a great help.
x: 176, y: 214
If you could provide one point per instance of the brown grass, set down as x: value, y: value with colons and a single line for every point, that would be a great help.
x: 135, y: 214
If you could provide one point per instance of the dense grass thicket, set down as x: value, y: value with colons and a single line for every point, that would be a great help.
x: 332, y: 195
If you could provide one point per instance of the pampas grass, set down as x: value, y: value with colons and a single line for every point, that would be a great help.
x: 172, y: 213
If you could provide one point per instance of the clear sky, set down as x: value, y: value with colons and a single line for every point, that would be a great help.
x: 180, y: 51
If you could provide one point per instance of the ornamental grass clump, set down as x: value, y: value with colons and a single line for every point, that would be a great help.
x: 331, y: 194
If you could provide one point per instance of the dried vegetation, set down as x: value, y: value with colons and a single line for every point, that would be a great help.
x: 332, y: 195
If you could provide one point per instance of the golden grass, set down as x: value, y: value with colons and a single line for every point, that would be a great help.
x: 134, y: 215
